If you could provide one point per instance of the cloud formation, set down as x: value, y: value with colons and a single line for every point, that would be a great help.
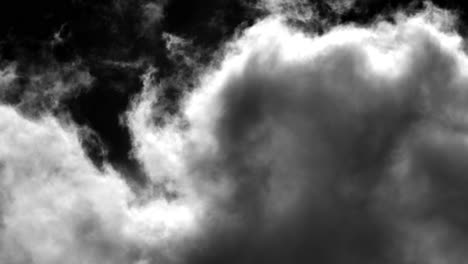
x: 346, y: 147
x: 57, y: 207
x: 300, y: 145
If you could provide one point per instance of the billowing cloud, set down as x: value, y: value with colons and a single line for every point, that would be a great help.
x: 57, y: 207
x: 309, y: 148
x: 346, y: 147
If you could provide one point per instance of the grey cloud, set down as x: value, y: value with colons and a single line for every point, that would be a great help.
x: 304, y: 136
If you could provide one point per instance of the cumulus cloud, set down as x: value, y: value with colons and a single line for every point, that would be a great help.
x: 323, y: 148
x: 57, y: 207
x: 346, y: 147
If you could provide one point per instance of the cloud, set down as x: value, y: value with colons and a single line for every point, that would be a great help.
x: 310, y: 14
x: 152, y: 15
x: 36, y: 89
x: 346, y: 147
x: 301, y: 10
x: 57, y: 207
x: 320, y: 149
x: 341, y: 6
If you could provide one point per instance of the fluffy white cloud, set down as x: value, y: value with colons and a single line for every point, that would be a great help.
x: 57, y: 207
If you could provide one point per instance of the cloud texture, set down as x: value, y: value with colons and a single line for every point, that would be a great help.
x: 346, y: 147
